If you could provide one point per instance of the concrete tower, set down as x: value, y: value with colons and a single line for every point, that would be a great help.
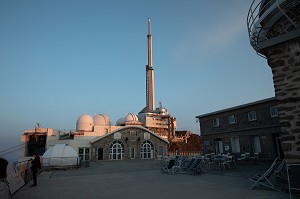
x: 274, y: 32
x: 150, y: 100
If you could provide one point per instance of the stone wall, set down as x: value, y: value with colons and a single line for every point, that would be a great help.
x: 284, y: 60
x: 266, y: 127
x: 128, y: 143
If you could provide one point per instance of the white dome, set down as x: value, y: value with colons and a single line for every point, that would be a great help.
x: 60, y: 155
x: 130, y: 117
x: 161, y: 111
x: 120, y: 121
x: 84, y: 123
x: 101, y: 120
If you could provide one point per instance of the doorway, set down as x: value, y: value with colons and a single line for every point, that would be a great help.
x: 100, y: 153
x: 132, y: 152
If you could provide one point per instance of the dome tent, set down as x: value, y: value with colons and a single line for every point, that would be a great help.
x: 60, y: 156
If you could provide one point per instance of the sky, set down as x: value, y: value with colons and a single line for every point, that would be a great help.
x: 60, y: 59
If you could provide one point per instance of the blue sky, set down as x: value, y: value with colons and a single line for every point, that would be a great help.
x: 62, y: 58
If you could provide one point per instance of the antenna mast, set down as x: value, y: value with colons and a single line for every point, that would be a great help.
x: 150, y: 102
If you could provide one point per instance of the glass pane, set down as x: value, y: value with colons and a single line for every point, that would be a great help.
x: 80, y: 151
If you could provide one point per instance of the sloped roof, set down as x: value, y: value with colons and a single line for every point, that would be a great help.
x: 127, y: 127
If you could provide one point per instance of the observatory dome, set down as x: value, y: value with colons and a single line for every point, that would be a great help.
x: 161, y: 111
x: 130, y: 117
x: 84, y: 123
x: 120, y: 121
x: 60, y: 155
x: 101, y: 120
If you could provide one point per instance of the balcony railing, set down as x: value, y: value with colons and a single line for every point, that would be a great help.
x: 262, y: 16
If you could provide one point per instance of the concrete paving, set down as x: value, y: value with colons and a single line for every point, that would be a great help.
x: 132, y: 179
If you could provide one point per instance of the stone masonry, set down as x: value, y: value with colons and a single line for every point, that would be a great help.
x: 284, y: 60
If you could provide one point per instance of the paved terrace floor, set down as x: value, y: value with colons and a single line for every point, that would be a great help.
x: 132, y: 179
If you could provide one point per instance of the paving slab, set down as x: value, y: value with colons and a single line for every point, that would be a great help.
x: 132, y: 179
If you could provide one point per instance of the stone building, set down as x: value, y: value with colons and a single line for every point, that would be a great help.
x: 274, y: 33
x: 129, y: 142
x: 249, y: 128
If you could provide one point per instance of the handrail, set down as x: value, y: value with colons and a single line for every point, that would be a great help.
x: 259, y: 11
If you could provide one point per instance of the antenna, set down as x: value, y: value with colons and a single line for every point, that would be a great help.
x: 149, y: 26
x: 150, y: 102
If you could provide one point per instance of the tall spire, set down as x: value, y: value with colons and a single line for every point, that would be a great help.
x: 149, y: 36
x: 150, y: 101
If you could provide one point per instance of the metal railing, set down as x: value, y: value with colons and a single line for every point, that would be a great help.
x: 262, y: 15
x: 24, y: 169
x: 184, y: 153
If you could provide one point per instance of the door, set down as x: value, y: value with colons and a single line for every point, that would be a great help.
x: 256, y: 144
x: 100, y: 153
x: 235, y: 145
x: 116, y: 150
x: 132, y: 153
x: 220, y: 145
x: 84, y: 153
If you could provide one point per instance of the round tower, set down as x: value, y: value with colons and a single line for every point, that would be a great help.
x: 274, y: 33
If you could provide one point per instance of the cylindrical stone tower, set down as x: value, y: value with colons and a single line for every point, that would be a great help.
x: 274, y: 32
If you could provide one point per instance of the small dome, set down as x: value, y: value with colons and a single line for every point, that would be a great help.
x: 101, y: 120
x: 85, y: 123
x: 120, y: 121
x: 60, y: 155
x: 130, y: 117
x: 161, y: 111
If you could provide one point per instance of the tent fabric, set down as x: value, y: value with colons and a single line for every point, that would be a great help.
x: 61, y: 155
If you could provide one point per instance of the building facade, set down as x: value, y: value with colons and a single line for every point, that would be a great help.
x: 130, y: 142
x: 249, y: 128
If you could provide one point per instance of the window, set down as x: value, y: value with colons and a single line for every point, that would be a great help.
x: 132, y: 135
x: 116, y: 150
x: 216, y: 122
x: 84, y: 153
x: 147, y: 150
x: 256, y: 144
x: 274, y: 111
x: 251, y: 116
x: 160, y: 150
x: 235, y: 145
x: 132, y: 152
x: 232, y: 119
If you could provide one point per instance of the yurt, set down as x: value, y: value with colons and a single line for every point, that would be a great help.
x: 60, y: 156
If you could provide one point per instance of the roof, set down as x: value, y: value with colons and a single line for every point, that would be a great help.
x: 238, y: 107
x: 146, y: 110
x: 128, y: 127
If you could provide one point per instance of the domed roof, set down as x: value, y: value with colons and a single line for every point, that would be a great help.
x: 101, y: 120
x: 120, y: 121
x: 60, y: 155
x: 85, y: 123
x: 130, y: 117
x: 161, y: 110
x: 85, y: 118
